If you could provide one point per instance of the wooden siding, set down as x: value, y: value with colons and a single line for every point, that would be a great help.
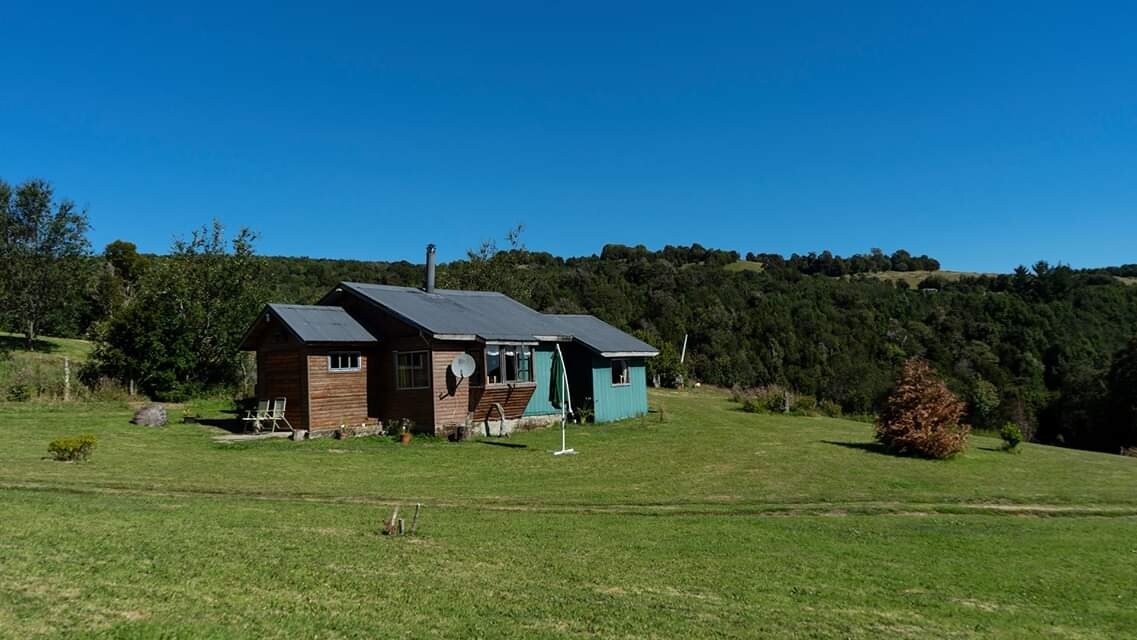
x: 451, y: 395
x: 513, y: 398
x: 281, y: 374
x: 335, y: 397
x: 541, y: 403
x: 618, y: 402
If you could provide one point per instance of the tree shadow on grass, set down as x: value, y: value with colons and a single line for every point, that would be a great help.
x: 871, y: 447
x: 509, y: 445
x: 18, y: 343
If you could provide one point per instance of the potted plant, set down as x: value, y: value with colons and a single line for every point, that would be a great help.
x: 403, y: 428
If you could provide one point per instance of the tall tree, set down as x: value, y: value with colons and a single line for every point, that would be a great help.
x: 1123, y: 394
x: 180, y: 331
x: 43, y: 243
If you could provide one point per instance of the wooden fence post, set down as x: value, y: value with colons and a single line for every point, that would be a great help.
x: 66, y: 379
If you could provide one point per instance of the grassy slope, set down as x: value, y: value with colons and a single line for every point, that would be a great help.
x: 46, y: 348
x: 715, y: 522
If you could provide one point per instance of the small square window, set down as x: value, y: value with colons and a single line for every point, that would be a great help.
x: 343, y: 361
x: 620, y: 373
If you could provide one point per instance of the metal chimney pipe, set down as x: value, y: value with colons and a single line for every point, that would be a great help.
x: 429, y: 269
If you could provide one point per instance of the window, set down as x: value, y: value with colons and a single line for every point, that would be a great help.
x: 509, y: 363
x: 343, y: 361
x: 620, y: 373
x: 411, y: 370
x: 493, y: 365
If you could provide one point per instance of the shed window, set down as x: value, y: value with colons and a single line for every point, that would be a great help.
x: 411, y: 370
x: 343, y: 361
x: 509, y: 363
x: 620, y: 373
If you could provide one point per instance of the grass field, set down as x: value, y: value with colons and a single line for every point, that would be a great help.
x: 712, y: 523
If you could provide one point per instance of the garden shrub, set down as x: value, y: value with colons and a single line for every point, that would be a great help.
x: 921, y: 415
x: 18, y: 393
x: 76, y: 448
x: 1012, y: 436
x: 770, y: 399
x: 802, y: 404
x: 829, y: 408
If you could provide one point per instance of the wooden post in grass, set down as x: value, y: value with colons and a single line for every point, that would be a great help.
x: 389, y: 526
x: 66, y: 379
x: 402, y: 526
x: 414, y: 520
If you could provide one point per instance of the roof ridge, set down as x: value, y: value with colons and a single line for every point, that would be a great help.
x: 286, y: 305
x: 395, y: 287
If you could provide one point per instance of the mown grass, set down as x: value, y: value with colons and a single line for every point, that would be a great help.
x: 712, y: 523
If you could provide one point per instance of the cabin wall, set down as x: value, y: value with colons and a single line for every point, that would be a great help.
x: 281, y: 373
x: 541, y: 403
x: 384, y: 400
x: 612, y: 402
x: 451, y: 396
x: 335, y: 397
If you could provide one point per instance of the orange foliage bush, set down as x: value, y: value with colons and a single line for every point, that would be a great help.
x: 922, y: 415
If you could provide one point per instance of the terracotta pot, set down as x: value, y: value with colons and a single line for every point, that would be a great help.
x: 405, y: 438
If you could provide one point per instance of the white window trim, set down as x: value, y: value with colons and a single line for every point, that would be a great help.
x: 627, y: 372
x: 355, y: 354
x: 426, y: 365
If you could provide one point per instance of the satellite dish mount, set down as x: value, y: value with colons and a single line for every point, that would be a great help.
x: 463, y: 366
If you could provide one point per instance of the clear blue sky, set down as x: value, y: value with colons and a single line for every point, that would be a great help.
x: 985, y: 134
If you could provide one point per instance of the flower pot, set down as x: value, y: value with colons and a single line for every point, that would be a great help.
x: 405, y: 438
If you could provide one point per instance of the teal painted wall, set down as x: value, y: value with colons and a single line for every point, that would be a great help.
x: 616, y: 403
x: 541, y: 404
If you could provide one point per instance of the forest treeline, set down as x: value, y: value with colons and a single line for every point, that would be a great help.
x: 1048, y: 347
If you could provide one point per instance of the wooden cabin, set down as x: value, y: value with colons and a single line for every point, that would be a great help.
x: 372, y: 352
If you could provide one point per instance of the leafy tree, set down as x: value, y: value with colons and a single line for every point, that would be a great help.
x: 921, y: 415
x: 180, y: 332
x: 1123, y: 394
x: 43, y: 243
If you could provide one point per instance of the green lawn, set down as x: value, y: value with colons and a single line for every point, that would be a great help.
x: 712, y: 523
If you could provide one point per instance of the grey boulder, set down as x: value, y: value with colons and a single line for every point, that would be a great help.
x: 152, y: 415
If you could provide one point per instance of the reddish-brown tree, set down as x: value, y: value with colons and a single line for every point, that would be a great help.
x: 922, y: 415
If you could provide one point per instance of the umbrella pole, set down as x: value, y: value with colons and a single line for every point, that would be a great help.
x: 564, y: 392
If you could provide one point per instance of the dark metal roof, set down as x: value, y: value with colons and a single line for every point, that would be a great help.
x: 602, y: 337
x: 312, y: 323
x: 449, y: 314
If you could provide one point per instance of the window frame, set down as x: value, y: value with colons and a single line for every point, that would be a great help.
x: 627, y: 373
x: 504, y: 367
x: 425, y: 368
x: 357, y: 356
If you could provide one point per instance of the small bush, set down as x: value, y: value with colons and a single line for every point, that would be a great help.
x: 771, y: 399
x: 804, y: 405
x: 76, y: 448
x: 19, y: 393
x: 1012, y: 436
x: 921, y: 416
x: 829, y: 408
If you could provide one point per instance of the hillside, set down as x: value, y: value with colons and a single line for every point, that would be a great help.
x: 711, y: 521
x: 38, y: 372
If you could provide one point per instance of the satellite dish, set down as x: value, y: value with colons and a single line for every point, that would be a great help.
x: 463, y: 365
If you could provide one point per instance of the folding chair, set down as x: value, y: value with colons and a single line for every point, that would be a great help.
x: 277, y: 413
x: 258, y: 416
